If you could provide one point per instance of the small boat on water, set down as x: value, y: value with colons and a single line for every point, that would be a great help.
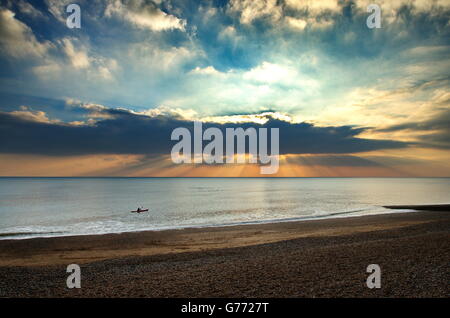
x: 140, y: 210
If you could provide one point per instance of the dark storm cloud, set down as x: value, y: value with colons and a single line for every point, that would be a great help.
x: 124, y: 132
x: 434, y: 132
x: 307, y: 138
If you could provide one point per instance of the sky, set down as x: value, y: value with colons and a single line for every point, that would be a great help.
x: 103, y: 99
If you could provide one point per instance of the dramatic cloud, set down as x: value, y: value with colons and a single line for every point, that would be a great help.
x: 144, y: 14
x: 249, y: 10
x: 311, y: 68
x: 17, y: 39
x: 119, y: 131
x: 434, y: 132
x: 298, y: 57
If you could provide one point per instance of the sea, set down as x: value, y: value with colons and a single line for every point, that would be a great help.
x: 49, y: 207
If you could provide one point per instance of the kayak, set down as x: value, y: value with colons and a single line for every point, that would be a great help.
x: 145, y: 210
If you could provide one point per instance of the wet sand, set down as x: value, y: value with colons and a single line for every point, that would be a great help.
x: 321, y: 258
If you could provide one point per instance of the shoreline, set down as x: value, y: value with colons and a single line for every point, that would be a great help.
x: 44, y: 251
x: 320, y: 258
x: 346, y: 214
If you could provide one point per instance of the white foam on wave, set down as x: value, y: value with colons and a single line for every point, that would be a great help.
x: 116, y: 227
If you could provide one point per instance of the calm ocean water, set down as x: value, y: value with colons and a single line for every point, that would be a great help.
x: 44, y: 207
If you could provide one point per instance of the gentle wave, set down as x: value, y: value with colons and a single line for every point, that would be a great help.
x: 351, y: 213
x: 46, y: 207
